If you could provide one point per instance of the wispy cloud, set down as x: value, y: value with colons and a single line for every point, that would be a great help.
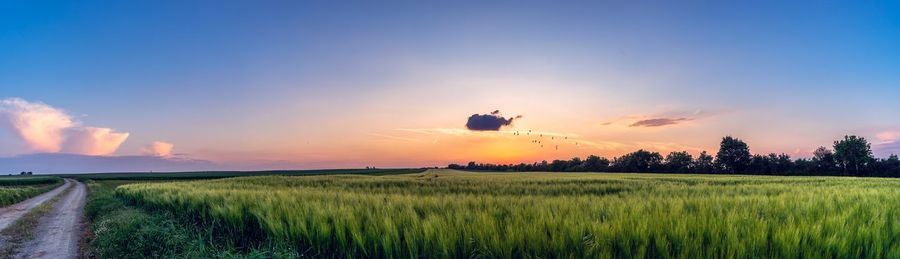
x: 888, y: 142
x: 439, y: 131
x: 407, y: 139
x: 658, y: 122
x: 661, y: 120
x: 888, y: 136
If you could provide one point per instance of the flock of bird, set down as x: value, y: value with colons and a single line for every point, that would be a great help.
x: 539, y: 141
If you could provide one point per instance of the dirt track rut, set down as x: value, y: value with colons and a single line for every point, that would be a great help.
x: 59, y: 231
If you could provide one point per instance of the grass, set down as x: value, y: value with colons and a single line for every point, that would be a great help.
x: 144, y: 176
x: 16, y: 189
x: 118, y: 231
x: 121, y: 231
x: 28, y: 180
x: 447, y: 214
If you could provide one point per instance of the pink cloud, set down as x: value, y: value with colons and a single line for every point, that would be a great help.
x: 42, y: 128
x: 158, y: 148
x: 888, y: 136
x: 93, y: 141
x: 39, y: 125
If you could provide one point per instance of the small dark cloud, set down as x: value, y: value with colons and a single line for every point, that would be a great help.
x: 658, y: 122
x: 489, y: 122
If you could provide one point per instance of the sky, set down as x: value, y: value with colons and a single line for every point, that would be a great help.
x: 250, y: 85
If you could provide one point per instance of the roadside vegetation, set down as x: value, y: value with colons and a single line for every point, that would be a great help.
x: 449, y: 214
x: 15, y: 189
x: 120, y: 230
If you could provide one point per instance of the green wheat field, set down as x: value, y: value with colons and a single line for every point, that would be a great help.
x: 453, y: 214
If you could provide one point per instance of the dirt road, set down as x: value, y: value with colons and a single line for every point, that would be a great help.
x: 10, y: 214
x: 58, y: 232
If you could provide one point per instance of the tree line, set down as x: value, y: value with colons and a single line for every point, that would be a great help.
x: 850, y: 156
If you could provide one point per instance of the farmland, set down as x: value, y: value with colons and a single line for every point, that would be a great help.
x: 451, y: 214
x: 145, y: 176
x: 16, y: 189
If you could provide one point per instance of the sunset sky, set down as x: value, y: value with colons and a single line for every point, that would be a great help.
x: 319, y: 84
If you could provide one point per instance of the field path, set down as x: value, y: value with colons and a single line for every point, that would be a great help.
x: 59, y: 231
x: 10, y: 214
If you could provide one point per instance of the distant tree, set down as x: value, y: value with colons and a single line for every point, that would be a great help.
x: 805, y: 167
x: 679, y: 162
x: 733, y: 156
x: 892, y: 166
x: 704, y: 163
x: 852, y: 154
x: 30, y: 173
x: 759, y: 164
x: 824, y: 161
x: 575, y: 165
x: 22, y: 173
x: 558, y: 165
x: 639, y: 161
x: 543, y: 166
x: 783, y: 164
x: 596, y: 164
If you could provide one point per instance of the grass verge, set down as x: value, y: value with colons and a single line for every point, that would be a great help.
x: 121, y: 231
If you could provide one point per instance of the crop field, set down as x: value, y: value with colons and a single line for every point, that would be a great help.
x: 16, y: 189
x: 143, y: 176
x: 451, y: 214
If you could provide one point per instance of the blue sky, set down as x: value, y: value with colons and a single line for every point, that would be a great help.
x: 324, y: 84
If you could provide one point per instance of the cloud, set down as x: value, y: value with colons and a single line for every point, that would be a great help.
x: 488, y: 122
x: 888, y: 136
x: 92, y: 141
x: 38, y: 125
x: 42, y: 128
x: 158, y: 148
x: 658, y: 122
x: 663, y: 119
x: 888, y: 143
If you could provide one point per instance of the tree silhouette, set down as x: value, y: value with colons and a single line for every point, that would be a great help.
x: 596, y: 164
x: 638, y: 161
x: 852, y: 154
x: 824, y: 161
x: 733, y: 156
x: 679, y: 162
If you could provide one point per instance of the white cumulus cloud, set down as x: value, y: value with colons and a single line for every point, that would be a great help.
x: 38, y: 125
x: 42, y: 128
x: 158, y: 148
